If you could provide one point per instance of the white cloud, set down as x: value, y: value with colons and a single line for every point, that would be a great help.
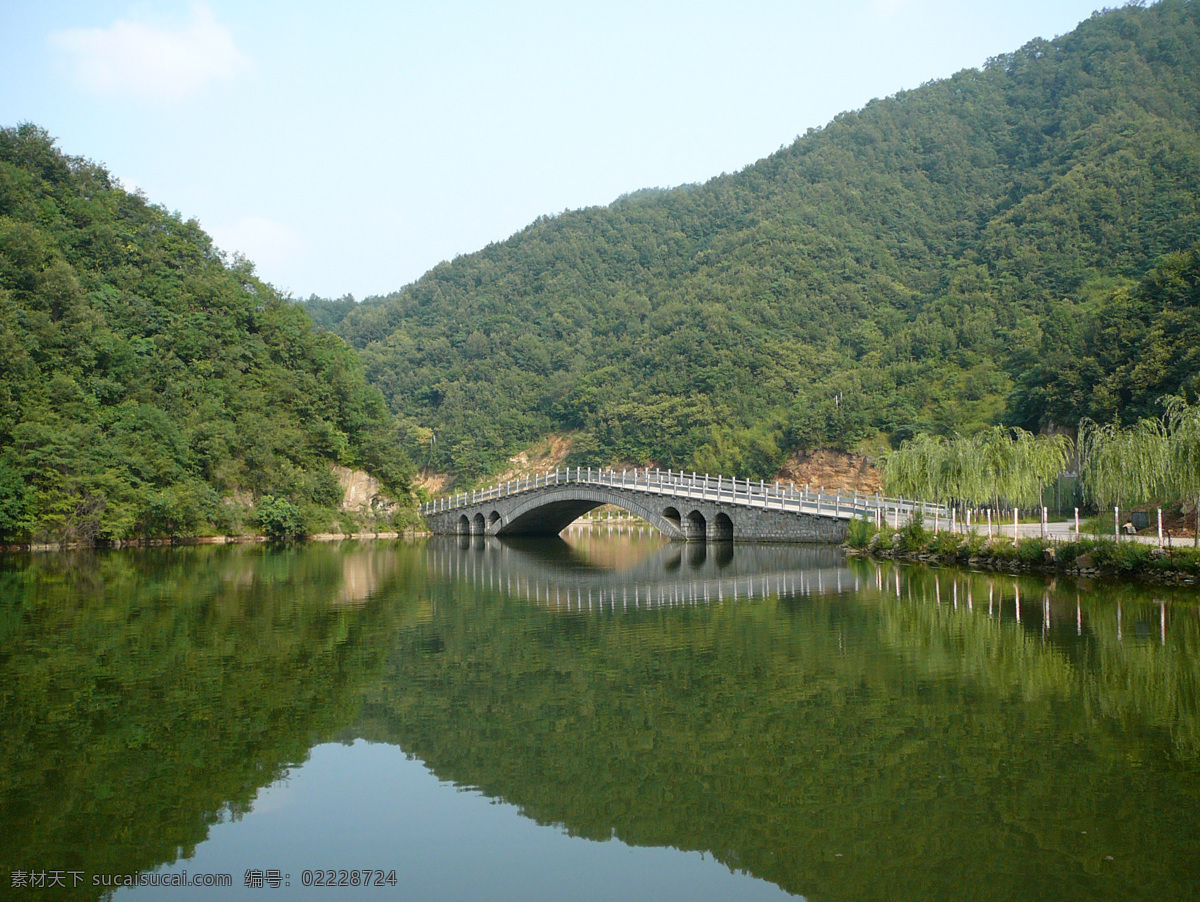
x: 270, y: 245
x: 151, y: 62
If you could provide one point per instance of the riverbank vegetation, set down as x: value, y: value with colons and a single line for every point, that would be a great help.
x: 149, y: 387
x: 1156, y: 460
x: 1152, y: 459
x: 1015, y: 244
x: 1080, y: 556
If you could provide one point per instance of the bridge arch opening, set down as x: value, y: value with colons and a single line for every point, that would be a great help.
x: 722, y: 528
x: 696, y: 528
x: 671, y: 515
x: 552, y: 509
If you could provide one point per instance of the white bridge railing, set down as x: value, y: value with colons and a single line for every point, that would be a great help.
x: 702, y: 487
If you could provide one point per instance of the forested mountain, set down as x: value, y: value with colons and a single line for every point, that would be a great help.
x: 993, y: 247
x: 147, y: 387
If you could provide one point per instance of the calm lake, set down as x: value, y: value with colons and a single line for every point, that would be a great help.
x: 605, y: 717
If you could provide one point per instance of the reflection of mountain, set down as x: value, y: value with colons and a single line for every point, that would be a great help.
x: 842, y: 747
x: 553, y: 574
x: 889, y: 741
x: 149, y: 695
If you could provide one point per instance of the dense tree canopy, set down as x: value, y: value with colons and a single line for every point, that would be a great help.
x: 965, y: 254
x: 146, y: 383
x: 1115, y: 357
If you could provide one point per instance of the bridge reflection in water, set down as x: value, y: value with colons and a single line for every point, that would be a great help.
x: 555, y: 574
x: 562, y: 576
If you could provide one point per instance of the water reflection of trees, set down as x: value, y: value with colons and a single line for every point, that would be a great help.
x: 841, y: 746
x: 148, y: 695
x: 1127, y: 654
x: 877, y: 732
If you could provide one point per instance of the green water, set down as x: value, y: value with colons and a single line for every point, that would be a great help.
x: 603, y: 718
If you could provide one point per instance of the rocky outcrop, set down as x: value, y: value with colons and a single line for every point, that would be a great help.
x: 546, y: 455
x: 833, y: 470
x: 363, y: 492
x: 433, y: 482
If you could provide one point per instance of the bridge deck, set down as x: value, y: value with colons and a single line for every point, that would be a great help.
x: 760, y: 495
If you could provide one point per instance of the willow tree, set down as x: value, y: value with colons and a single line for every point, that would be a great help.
x: 1036, y: 460
x: 914, y: 470
x: 1124, y: 466
x: 995, y: 466
x: 1183, y: 454
x: 930, y: 467
x: 955, y: 471
x: 996, y: 458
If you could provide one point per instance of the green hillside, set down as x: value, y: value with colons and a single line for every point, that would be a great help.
x: 940, y: 260
x: 147, y: 387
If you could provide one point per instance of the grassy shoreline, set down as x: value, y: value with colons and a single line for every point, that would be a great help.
x: 183, y: 541
x: 1078, y: 557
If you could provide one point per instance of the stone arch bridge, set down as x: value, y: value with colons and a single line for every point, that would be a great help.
x: 684, y: 506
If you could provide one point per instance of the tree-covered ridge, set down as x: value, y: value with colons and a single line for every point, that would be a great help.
x: 145, y: 382
x: 903, y: 269
x: 1115, y: 356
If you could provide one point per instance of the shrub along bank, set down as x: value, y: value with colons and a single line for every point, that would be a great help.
x: 1084, y: 556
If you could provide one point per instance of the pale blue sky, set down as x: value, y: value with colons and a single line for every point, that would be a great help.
x: 350, y: 147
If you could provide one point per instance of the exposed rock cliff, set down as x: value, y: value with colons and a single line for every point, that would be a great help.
x: 833, y: 470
